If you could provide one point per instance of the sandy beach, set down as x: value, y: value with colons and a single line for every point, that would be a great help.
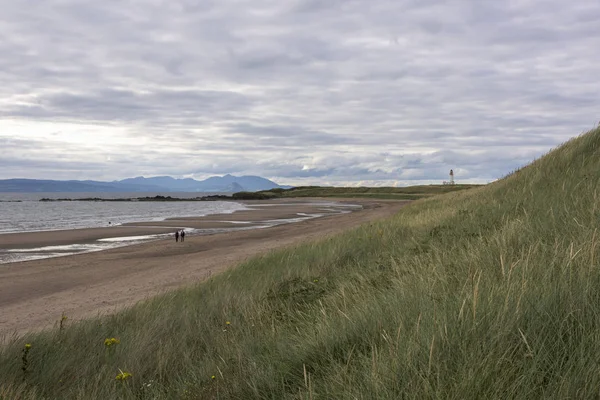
x: 34, y: 294
x: 260, y: 213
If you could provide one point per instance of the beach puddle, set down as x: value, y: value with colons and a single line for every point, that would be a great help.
x: 132, y: 238
x: 36, y: 253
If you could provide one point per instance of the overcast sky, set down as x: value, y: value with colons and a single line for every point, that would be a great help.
x: 375, y: 92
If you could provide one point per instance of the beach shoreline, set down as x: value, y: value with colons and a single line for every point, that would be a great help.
x: 34, y: 294
x: 253, y: 216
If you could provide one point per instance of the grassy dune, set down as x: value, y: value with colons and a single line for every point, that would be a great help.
x: 486, y: 293
x: 398, y: 193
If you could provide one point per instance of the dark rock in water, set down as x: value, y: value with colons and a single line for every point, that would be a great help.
x: 155, y: 198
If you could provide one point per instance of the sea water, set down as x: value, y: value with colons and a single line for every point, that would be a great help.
x: 24, y: 212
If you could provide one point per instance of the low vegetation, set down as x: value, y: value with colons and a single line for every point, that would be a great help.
x: 485, y: 293
x: 262, y: 195
x: 398, y: 193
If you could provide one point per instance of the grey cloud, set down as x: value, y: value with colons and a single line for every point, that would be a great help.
x: 286, y: 135
x: 54, y: 164
x: 123, y: 105
x: 303, y: 90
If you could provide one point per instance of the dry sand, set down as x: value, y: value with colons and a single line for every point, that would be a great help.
x: 34, y: 294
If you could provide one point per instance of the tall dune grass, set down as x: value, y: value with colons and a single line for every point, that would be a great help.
x: 488, y: 293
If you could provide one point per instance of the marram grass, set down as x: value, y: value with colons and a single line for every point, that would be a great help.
x: 490, y: 293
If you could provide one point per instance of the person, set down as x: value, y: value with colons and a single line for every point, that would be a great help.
x: 182, y: 235
x: 177, y: 236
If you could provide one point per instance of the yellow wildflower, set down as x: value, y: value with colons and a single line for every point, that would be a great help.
x: 27, y: 346
x: 227, y: 323
x: 110, y: 341
x: 212, y: 377
x: 123, y: 376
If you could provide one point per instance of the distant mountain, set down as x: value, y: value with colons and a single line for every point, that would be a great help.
x: 226, y: 183
x: 213, y: 184
x: 164, y: 182
x: 234, y: 188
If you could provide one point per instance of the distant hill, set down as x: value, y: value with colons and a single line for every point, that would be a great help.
x: 227, y: 183
x: 213, y: 184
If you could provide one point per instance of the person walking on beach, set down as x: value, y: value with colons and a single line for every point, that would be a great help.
x: 177, y: 236
x: 182, y: 235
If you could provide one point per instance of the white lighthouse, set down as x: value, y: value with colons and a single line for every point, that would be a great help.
x: 451, y: 177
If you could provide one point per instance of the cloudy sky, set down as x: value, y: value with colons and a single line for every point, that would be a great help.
x: 351, y: 92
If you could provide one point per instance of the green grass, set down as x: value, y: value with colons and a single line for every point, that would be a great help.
x: 486, y: 293
x: 397, y: 193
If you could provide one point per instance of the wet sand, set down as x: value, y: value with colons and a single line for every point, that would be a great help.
x: 272, y: 211
x: 34, y: 294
